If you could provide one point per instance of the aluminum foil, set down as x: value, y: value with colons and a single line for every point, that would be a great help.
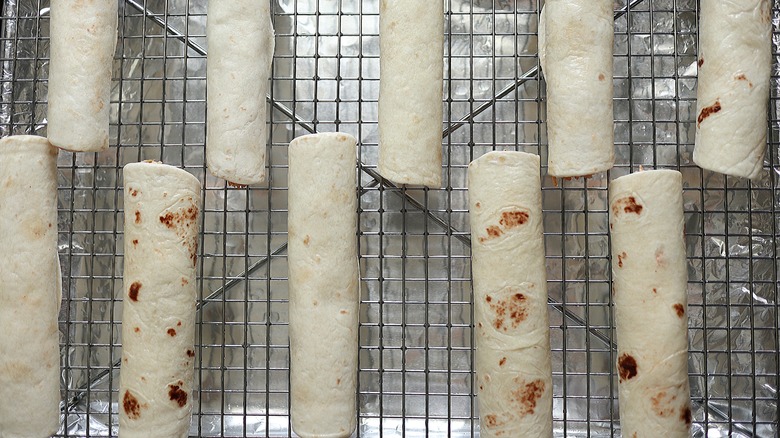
x: 416, y: 337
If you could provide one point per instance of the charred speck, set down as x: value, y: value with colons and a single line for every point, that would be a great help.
x: 177, y: 394
x: 686, y: 416
x: 512, y: 219
x: 134, y: 289
x: 131, y: 405
x: 627, y: 367
x: 709, y: 110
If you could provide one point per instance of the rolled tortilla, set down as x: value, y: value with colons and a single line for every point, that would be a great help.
x: 30, y: 288
x: 83, y: 40
x: 735, y: 58
x: 650, y: 281
x: 323, y: 284
x: 241, y: 49
x: 162, y: 204
x: 575, y: 52
x: 513, y: 364
x: 411, y: 62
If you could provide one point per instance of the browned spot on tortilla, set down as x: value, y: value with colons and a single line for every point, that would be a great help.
x: 708, y: 111
x: 494, y: 231
x: 622, y: 256
x: 686, y: 415
x: 659, y: 258
x: 18, y: 371
x: 661, y: 404
x: 627, y: 205
x: 655, y: 290
x: 236, y: 185
x: 627, y: 367
x: 502, y: 362
x: 137, y: 217
x: 178, y: 324
x: 511, y: 219
x: 190, y: 353
x: 183, y: 221
x: 527, y: 395
x: 601, y: 76
x: 701, y: 62
x: 742, y: 77
x: 133, y: 192
x: 184, y: 281
x: 513, y: 307
x: 137, y: 329
x: 131, y: 405
x: 338, y: 381
x: 491, y: 420
x: 306, y: 240
x: 135, y: 242
x: 177, y: 394
x: 478, y: 205
x: 343, y: 312
x: 171, y: 332
x: 680, y: 309
x: 134, y: 288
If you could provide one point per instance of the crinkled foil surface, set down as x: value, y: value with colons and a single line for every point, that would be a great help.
x: 416, y: 356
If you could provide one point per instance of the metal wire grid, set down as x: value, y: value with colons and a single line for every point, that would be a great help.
x: 416, y: 356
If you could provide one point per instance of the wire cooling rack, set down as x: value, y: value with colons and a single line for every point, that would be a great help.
x: 416, y: 355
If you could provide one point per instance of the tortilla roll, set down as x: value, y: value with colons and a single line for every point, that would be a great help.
x: 411, y: 62
x: 513, y: 359
x: 83, y: 41
x: 650, y: 291
x: 162, y: 205
x: 735, y: 59
x: 241, y: 49
x: 30, y: 288
x: 323, y: 284
x: 575, y: 52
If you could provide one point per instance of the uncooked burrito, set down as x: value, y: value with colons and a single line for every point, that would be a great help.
x: 735, y: 62
x: 241, y: 49
x: 513, y: 363
x: 83, y: 40
x: 411, y: 63
x: 575, y: 52
x: 651, y: 312
x: 162, y: 205
x: 323, y: 284
x: 30, y: 289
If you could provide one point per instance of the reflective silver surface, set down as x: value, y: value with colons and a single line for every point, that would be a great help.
x: 416, y: 355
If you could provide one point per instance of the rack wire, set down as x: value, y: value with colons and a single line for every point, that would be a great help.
x: 416, y: 356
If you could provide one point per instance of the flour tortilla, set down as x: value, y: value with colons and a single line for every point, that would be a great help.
x: 241, y: 49
x: 650, y: 292
x: 735, y: 63
x: 411, y: 59
x: 83, y: 41
x: 575, y: 51
x: 513, y: 363
x: 323, y: 284
x: 30, y: 289
x: 162, y: 205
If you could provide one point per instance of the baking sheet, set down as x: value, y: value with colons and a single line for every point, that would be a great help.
x: 416, y: 339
